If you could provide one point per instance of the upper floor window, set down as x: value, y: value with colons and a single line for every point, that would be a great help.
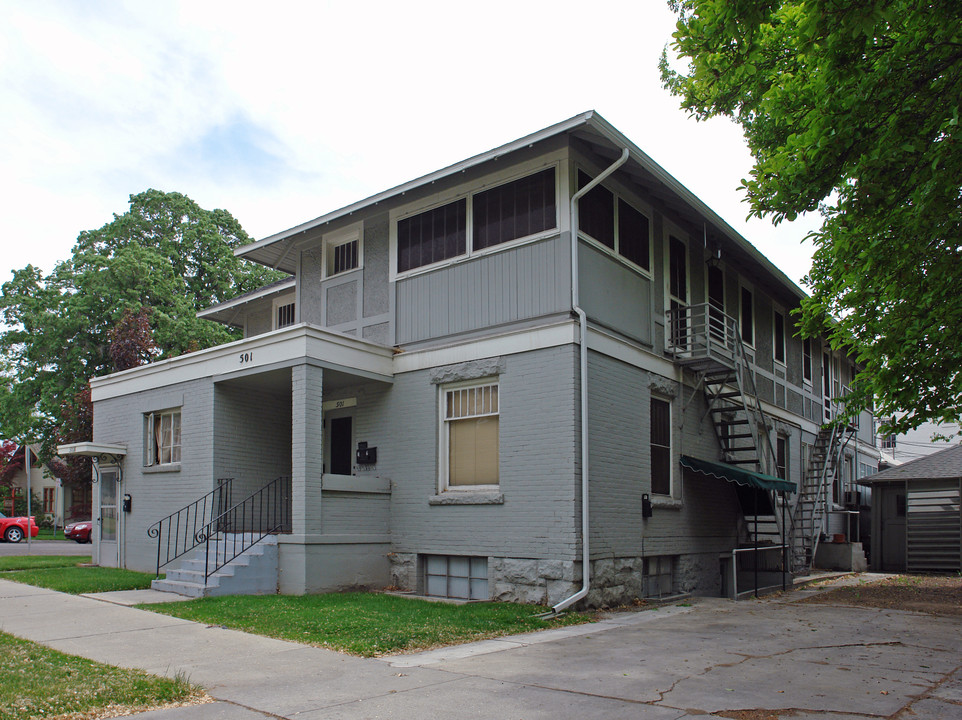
x: 747, y: 317
x: 781, y: 457
x: 807, y: 360
x: 511, y: 211
x: 614, y: 223
x: 284, y: 312
x: 779, y: 337
x: 342, y: 250
x: 163, y: 437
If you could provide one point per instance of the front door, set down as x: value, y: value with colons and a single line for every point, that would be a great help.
x: 339, y: 443
x: 109, y: 519
x: 892, y: 555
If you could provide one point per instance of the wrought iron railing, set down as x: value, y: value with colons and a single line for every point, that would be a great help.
x: 176, y: 534
x: 240, y: 527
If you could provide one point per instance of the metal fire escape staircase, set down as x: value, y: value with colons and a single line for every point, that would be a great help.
x: 707, y: 342
x: 811, y: 508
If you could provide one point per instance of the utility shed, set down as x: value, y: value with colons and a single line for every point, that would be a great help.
x: 917, y: 514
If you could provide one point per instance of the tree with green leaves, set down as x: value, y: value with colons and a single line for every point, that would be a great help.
x: 852, y: 108
x: 128, y: 294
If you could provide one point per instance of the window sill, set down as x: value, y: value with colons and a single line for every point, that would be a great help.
x: 459, y: 497
x: 666, y: 502
x: 169, y: 468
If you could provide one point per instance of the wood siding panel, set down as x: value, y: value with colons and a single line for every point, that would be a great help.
x: 934, y: 535
x: 517, y: 284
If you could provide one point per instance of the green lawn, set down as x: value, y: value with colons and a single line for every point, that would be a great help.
x: 39, y: 682
x: 366, y: 624
x: 66, y: 574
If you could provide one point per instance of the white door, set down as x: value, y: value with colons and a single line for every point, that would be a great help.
x: 108, y: 522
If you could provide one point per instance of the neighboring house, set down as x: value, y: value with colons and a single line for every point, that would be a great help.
x: 916, y: 516
x: 417, y: 386
x: 924, y: 440
x: 53, y: 496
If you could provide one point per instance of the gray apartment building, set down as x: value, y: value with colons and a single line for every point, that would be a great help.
x: 457, y: 394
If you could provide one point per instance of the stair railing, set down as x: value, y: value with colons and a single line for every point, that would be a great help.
x: 227, y: 536
x: 176, y: 533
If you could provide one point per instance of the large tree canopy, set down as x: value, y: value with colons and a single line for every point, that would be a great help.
x: 129, y: 293
x: 852, y: 108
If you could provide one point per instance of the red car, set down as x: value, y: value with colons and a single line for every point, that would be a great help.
x: 14, y: 529
x: 79, y: 531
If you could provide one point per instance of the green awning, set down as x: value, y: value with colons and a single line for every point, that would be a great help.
x: 737, y: 475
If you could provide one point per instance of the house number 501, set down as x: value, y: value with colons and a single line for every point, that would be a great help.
x: 246, y: 357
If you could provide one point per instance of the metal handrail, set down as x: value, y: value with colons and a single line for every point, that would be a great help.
x: 240, y: 527
x: 176, y: 533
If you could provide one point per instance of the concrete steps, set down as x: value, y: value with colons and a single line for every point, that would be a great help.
x: 254, y: 572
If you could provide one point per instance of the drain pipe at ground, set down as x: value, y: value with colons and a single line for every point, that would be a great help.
x: 583, y: 340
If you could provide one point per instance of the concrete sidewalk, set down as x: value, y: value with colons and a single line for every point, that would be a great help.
x: 795, y: 660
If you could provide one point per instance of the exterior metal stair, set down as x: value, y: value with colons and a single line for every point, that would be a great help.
x: 811, y: 506
x: 252, y: 573
x: 707, y: 342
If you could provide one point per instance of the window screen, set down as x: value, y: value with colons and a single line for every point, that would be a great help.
x: 514, y: 210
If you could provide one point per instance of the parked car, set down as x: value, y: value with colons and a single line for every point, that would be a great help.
x: 14, y: 529
x: 79, y: 531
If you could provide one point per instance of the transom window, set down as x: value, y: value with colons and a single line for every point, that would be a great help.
x: 511, y: 211
x: 611, y: 221
x: 471, y: 425
x: 342, y: 251
x: 163, y: 437
x: 285, y: 315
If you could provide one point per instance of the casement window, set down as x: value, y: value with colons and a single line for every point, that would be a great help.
x: 778, y: 336
x: 284, y: 312
x: 807, y: 360
x: 470, y: 442
x: 781, y: 457
x: 660, y: 441
x: 342, y: 251
x: 747, y: 317
x: 163, y: 438
x: 613, y: 222
x: 511, y: 211
x: 49, y: 500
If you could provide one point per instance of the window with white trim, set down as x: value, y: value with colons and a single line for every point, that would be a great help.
x: 807, y: 360
x: 660, y: 443
x: 747, y: 310
x: 611, y: 221
x: 781, y: 457
x: 778, y: 336
x: 510, y: 211
x: 163, y: 438
x: 284, y: 311
x: 470, y: 429
x: 342, y: 251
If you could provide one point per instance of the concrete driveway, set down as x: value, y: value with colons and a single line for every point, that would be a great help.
x: 778, y: 657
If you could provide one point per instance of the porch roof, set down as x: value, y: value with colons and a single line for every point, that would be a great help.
x: 285, y: 348
x: 737, y: 475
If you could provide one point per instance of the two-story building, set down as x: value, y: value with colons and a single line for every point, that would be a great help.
x: 544, y: 366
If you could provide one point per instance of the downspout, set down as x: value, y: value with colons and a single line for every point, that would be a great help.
x: 583, y: 340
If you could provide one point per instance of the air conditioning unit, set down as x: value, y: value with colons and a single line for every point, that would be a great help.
x: 853, y: 498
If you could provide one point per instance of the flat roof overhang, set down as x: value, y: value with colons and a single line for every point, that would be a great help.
x: 93, y: 450
x: 290, y: 346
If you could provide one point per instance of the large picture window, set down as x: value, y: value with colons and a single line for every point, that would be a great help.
x: 163, y: 438
x: 511, y: 211
x: 613, y: 222
x: 471, y: 437
x: 660, y: 447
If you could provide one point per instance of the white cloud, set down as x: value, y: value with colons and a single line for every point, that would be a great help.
x: 282, y: 112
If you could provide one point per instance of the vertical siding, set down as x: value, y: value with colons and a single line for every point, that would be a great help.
x: 614, y: 295
x: 517, y: 284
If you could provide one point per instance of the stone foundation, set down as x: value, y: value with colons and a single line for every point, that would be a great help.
x: 614, y: 581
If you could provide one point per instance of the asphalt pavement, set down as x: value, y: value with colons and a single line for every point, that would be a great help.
x: 690, y: 659
x: 45, y: 547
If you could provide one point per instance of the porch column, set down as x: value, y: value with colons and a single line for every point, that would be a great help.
x: 307, y: 455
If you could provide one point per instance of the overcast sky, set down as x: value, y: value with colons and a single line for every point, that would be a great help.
x: 280, y: 112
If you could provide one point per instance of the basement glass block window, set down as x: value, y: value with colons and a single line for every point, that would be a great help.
x: 514, y: 210
x: 454, y: 576
x: 658, y: 576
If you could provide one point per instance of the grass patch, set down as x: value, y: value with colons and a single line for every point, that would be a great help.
x: 47, y: 533
x: 40, y: 682
x: 30, y: 562
x: 77, y: 580
x: 366, y: 624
